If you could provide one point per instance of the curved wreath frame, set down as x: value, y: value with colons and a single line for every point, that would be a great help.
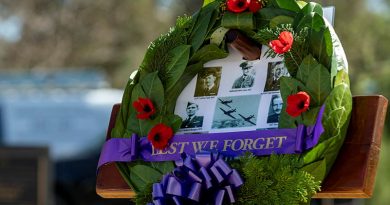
x: 316, y: 63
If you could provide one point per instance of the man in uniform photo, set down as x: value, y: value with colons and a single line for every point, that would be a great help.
x: 276, y: 105
x: 275, y: 71
x: 247, y: 79
x: 192, y: 121
x: 208, y: 84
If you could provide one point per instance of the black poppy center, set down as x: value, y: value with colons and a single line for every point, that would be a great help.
x: 157, y: 137
x: 301, y: 105
x: 240, y: 4
x: 147, y: 108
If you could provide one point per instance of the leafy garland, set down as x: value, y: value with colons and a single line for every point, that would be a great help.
x: 317, y: 66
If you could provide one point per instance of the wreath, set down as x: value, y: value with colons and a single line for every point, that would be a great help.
x: 314, y: 57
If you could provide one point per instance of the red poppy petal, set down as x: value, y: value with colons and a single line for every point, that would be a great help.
x: 292, y: 111
x: 255, y: 6
x: 293, y: 100
x: 286, y: 48
x: 286, y: 37
x: 276, y: 43
x: 165, y: 133
x: 237, y: 6
x: 137, y: 105
x: 143, y: 116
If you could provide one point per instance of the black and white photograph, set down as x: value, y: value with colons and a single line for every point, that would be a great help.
x: 271, y: 105
x: 192, y: 120
x: 275, y: 71
x: 208, y: 81
x: 228, y: 96
x: 234, y: 112
x: 275, y: 108
x: 247, y: 79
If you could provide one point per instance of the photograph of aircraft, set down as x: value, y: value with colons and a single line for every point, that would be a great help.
x: 248, y: 119
x: 228, y: 112
x: 226, y: 102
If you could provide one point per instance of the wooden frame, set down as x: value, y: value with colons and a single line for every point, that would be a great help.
x: 352, y: 176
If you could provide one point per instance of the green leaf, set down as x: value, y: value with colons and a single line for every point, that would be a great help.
x: 140, y: 175
x: 205, y: 2
x: 265, y: 15
x: 313, y: 21
x: 341, y: 77
x: 177, y: 65
x: 313, y: 7
x: 291, y: 5
x: 319, y: 38
x: 304, y: 69
x: 218, y: 36
x: 333, y: 70
x: 163, y: 167
x: 174, y: 121
x: 123, y: 115
x: 318, y: 84
x: 289, y: 86
x: 285, y: 120
x: 301, y: 4
x: 321, y: 46
x: 125, y: 173
x: 316, y: 169
x: 133, y: 124
x: 309, y: 9
x: 241, y: 21
x: 310, y: 116
x: 339, y: 60
x: 278, y: 20
x: 338, y: 106
x: 153, y: 89
x: 201, y: 26
x: 207, y: 53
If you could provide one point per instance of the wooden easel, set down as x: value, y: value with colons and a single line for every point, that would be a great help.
x: 352, y: 175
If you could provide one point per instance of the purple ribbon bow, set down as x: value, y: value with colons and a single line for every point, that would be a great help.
x: 205, y: 179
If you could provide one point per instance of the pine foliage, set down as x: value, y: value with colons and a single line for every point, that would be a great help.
x: 145, y: 196
x: 274, y: 180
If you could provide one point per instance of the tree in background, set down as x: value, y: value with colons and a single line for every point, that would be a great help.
x: 73, y: 34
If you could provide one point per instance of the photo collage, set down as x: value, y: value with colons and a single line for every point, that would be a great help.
x: 233, y: 94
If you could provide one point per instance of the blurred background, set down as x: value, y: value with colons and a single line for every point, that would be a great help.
x: 64, y: 63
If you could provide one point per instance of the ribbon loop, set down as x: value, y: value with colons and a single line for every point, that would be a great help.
x: 186, y: 185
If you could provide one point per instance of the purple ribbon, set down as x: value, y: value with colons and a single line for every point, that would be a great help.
x: 205, y: 179
x: 258, y: 142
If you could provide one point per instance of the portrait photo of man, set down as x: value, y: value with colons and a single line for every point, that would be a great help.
x: 275, y: 71
x: 208, y: 82
x: 192, y: 120
x: 247, y: 79
x: 276, y: 105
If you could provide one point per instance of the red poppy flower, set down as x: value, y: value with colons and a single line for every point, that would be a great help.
x: 298, y: 103
x: 159, y: 136
x: 237, y: 6
x: 283, y: 43
x: 144, y: 107
x: 255, y: 6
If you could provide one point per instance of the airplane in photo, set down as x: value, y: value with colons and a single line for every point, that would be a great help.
x: 248, y: 119
x: 226, y: 102
x: 229, y: 112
